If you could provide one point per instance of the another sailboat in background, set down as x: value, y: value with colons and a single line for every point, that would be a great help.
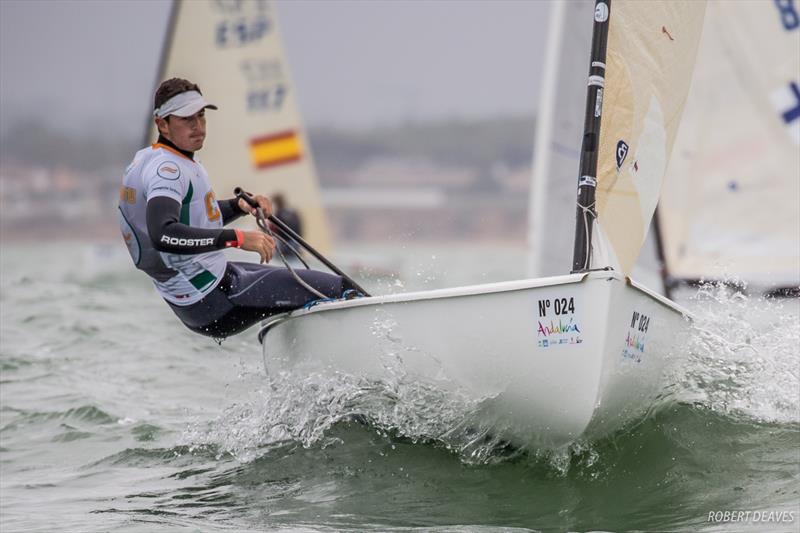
x: 731, y: 203
x: 559, y: 129
x: 547, y: 359
x: 233, y: 50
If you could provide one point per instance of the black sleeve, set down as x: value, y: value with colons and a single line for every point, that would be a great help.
x: 230, y: 210
x: 169, y: 235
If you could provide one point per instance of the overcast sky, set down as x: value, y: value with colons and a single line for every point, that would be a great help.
x: 91, y: 63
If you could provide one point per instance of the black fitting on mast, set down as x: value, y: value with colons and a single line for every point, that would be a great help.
x: 587, y: 179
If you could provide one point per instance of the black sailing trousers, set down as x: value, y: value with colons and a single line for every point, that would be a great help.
x: 250, y: 292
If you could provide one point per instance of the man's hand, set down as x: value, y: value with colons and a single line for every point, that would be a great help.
x: 256, y: 241
x: 263, y: 203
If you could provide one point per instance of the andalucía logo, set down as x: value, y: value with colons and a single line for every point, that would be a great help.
x: 554, y: 328
x: 622, y: 152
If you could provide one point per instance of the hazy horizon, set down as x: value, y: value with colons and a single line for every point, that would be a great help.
x: 86, y: 65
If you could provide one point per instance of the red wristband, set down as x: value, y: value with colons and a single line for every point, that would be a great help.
x: 239, y: 240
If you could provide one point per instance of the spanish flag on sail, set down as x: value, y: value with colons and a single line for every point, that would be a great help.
x: 275, y: 149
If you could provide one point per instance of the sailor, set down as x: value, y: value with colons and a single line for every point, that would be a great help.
x: 172, y: 224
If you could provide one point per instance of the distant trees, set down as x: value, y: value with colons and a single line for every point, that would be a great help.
x: 482, y: 145
x: 32, y: 143
x: 479, y: 143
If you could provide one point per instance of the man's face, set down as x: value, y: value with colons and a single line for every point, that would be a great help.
x: 187, y: 133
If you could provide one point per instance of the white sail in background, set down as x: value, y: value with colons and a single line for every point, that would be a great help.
x: 649, y: 64
x: 559, y: 128
x: 731, y: 205
x: 233, y: 50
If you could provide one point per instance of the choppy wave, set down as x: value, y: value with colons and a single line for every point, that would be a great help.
x: 115, y: 418
x: 692, y: 457
x: 742, y: 366
x: 744, y: 355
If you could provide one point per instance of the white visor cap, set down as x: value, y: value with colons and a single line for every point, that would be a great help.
x: 184, y: 104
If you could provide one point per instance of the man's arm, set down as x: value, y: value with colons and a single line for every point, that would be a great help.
x: 168, y: 235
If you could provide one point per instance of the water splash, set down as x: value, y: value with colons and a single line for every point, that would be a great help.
x: 742, y: 361
x: 291, y: 406
x: 302, y: 409
x: 743, y: 355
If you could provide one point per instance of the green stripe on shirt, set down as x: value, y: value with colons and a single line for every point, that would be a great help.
x: 185, y: 205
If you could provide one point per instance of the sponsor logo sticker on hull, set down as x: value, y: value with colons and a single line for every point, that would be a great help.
x: 558, y: 324
x: 636, y: 337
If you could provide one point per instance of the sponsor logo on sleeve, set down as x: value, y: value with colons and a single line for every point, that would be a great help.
x: 170, y: 189
x: 169, y: 170
x: 175, y: 241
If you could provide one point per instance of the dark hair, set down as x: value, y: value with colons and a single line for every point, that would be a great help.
x: 170, y: 88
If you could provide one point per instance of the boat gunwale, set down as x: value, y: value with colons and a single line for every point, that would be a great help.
x: 435, y: 294
x: 470, y: 290
x: 451, y: 292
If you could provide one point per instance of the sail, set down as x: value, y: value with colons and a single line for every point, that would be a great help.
x: 233, y: 51
x: 559, y: 127
x: 731, y: 204
x: 651, y: 48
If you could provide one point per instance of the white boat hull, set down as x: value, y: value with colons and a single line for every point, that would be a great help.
x: 552, y: 358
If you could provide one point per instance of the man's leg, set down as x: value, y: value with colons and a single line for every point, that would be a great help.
x: 250, y: 292
x: 276, y: 290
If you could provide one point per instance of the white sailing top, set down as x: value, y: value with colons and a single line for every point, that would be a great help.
x: 159, y: 170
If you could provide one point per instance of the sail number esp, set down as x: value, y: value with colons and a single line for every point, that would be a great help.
x: 241, y: 23
x: 558, y: 306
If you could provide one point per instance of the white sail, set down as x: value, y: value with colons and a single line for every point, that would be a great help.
x: 559, y: 128
x: 556, y: 153
x: 649, y: 63
x: 731, y: 205
x: 233, y: 51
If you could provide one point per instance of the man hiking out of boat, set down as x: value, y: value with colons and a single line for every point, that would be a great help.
x: 173, y: 224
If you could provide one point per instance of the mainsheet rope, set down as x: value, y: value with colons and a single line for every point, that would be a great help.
x: 261, y: 220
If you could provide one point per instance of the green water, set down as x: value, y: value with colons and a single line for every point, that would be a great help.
x: 114, y: 417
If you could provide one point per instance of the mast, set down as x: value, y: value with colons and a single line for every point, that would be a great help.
x: 587, y: 182
x: 166, y: 48
x: 663, y: 268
